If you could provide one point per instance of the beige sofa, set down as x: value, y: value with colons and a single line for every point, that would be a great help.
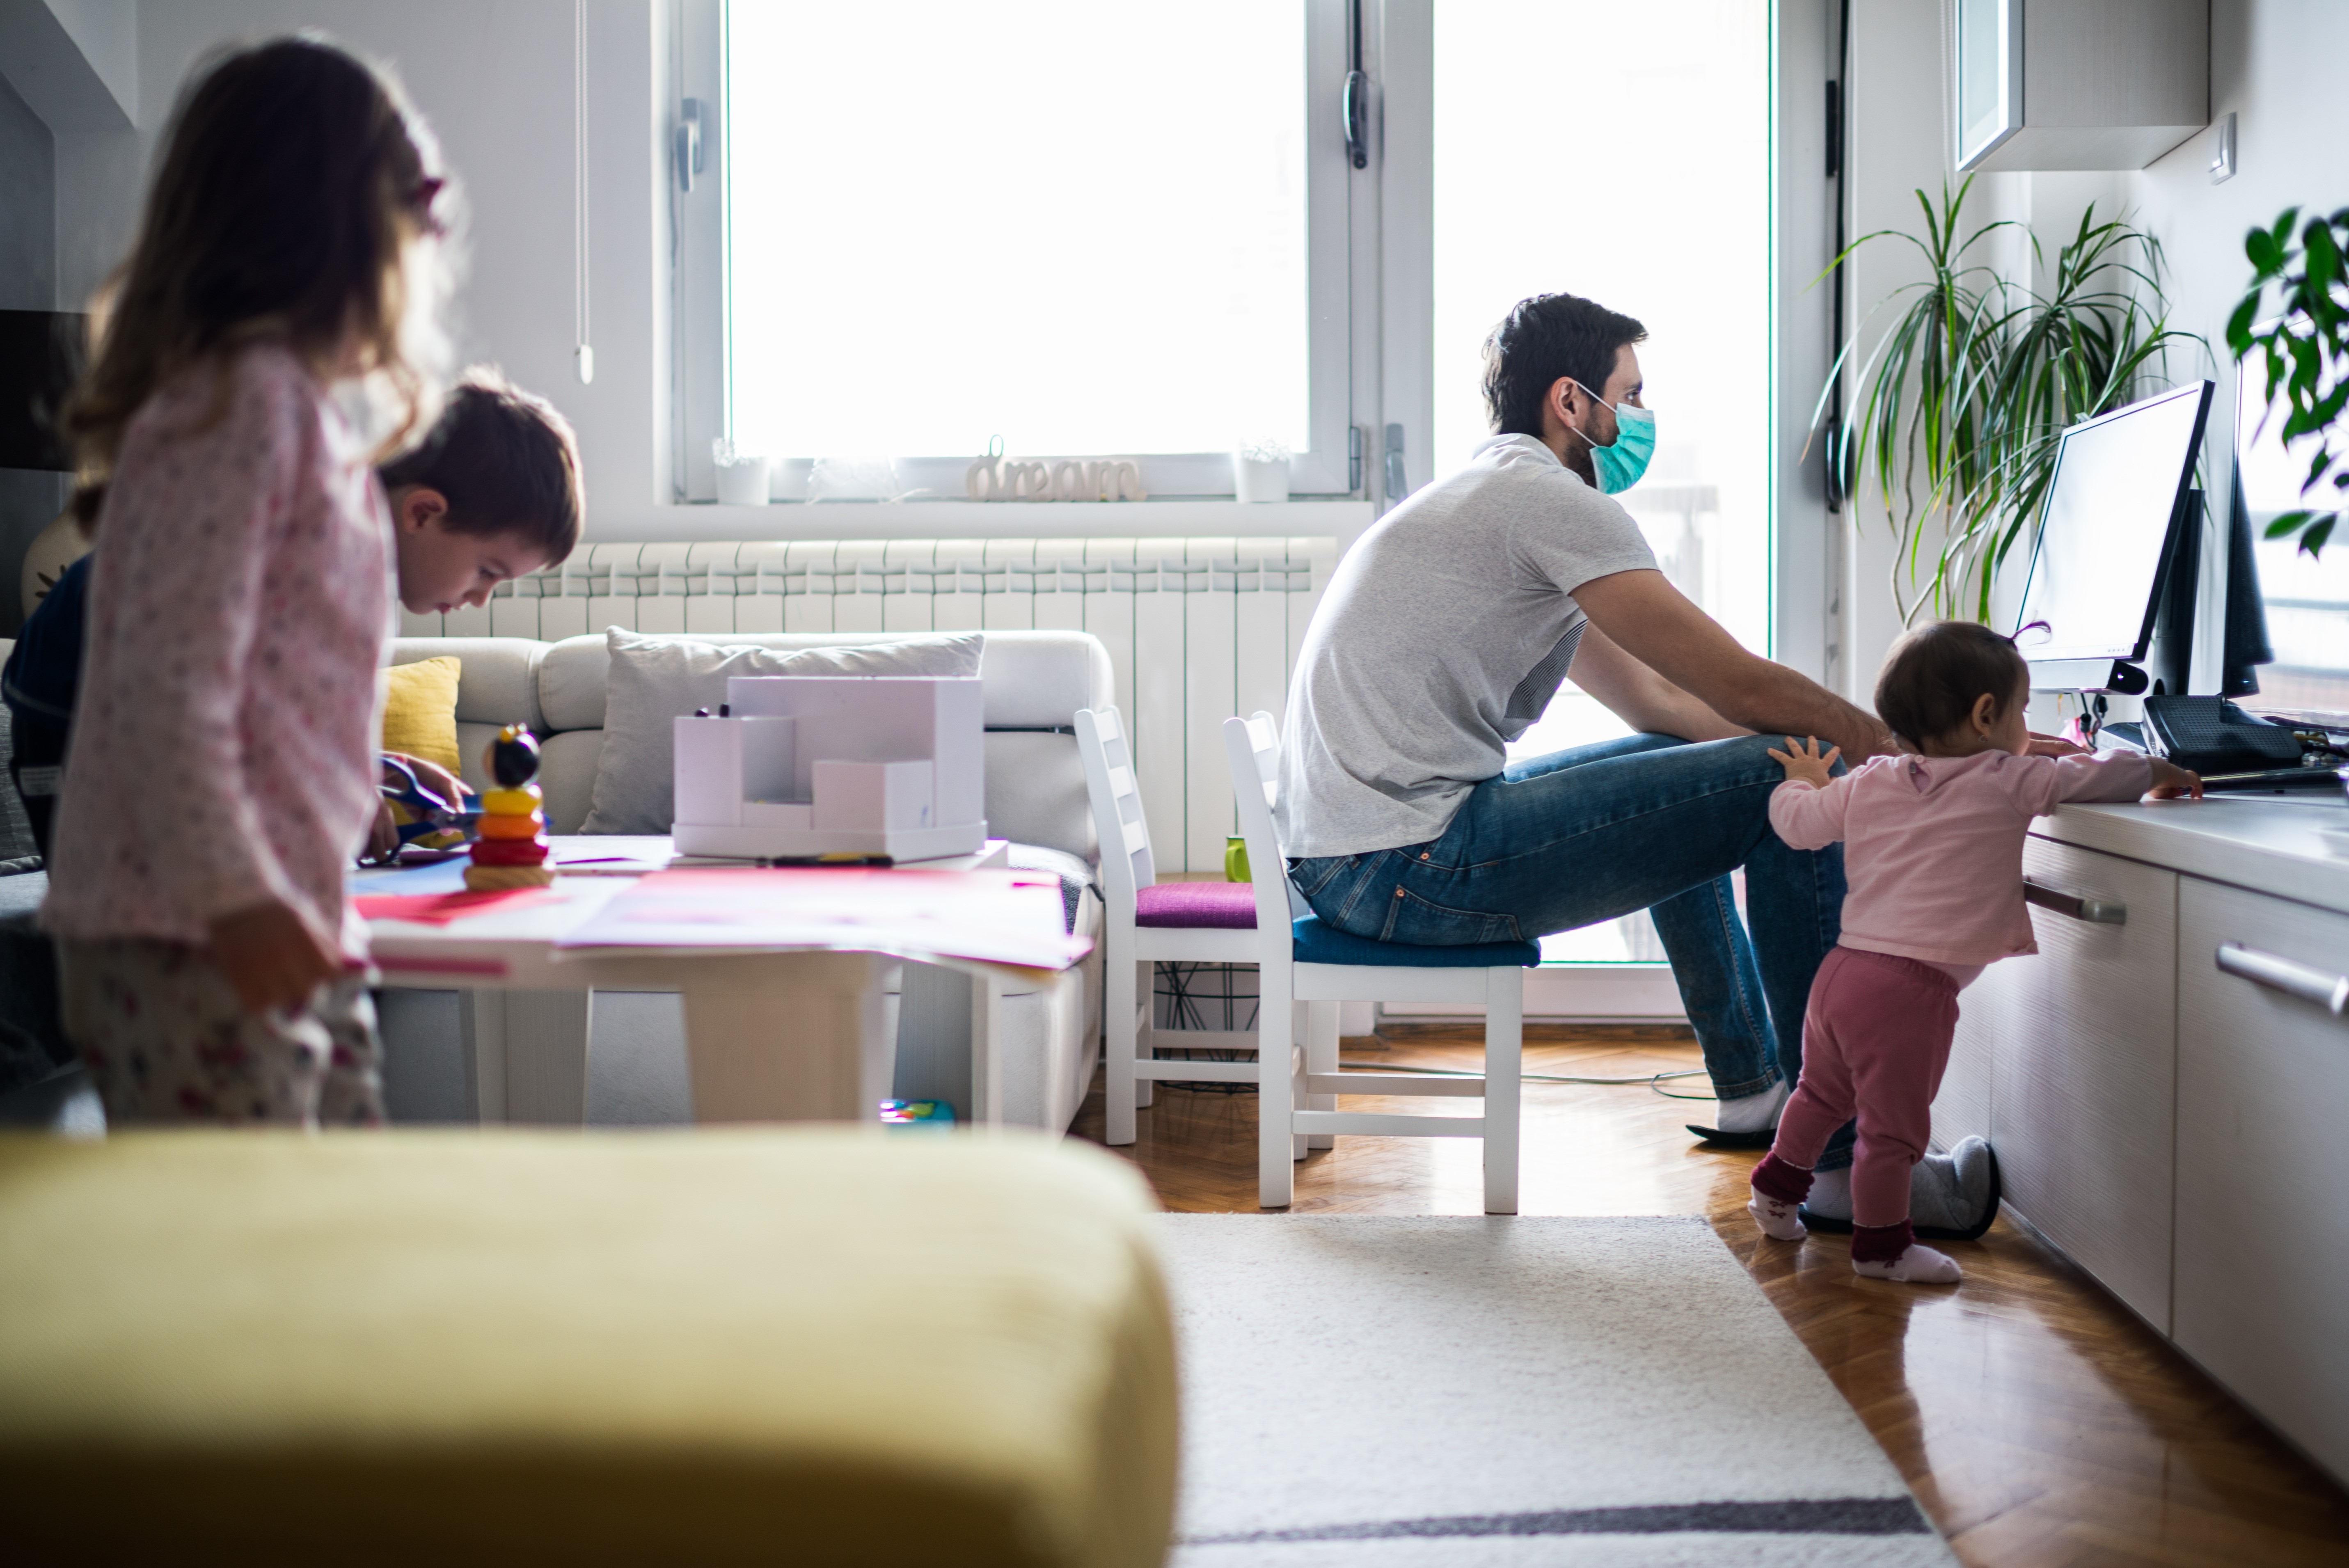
x: 1033, y: 684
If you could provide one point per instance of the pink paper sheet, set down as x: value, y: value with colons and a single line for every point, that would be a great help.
x: 440, y: 908
x: 993, y: 916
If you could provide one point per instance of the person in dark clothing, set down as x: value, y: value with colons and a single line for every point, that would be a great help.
x: 38, y: 684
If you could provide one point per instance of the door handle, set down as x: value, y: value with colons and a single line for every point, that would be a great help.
x: 2096, y: 910
x: 2329, y: 992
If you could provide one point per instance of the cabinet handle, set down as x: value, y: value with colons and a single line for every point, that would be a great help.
x: 2096, y: 910
x: 2329, y: 992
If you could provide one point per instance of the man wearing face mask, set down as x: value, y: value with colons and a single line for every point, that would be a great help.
x: 1443, y: 634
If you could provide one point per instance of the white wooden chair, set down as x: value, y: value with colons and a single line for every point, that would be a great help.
x: 1305, y: 965
x: 1146, y: 922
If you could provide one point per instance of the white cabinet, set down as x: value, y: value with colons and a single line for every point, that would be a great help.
x: 1988, y: 1011
x: 2065, y: 1061
x: 2262, y: 1253
x: 2083, y: 1108
x: 2077, y: 84
x: 2176, y: 1128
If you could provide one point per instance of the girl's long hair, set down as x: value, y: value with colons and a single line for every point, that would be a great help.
x: 298, y: 200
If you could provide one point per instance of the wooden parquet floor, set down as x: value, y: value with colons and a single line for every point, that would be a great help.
x: 2041, y: 1424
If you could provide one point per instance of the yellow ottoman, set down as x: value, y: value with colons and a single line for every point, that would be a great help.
x: 804, y: 1346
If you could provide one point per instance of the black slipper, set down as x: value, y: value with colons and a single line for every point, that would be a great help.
x: 1760, y: 1137
x: 1827, y: 1226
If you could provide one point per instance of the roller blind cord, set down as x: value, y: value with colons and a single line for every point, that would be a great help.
x: 583, y: 353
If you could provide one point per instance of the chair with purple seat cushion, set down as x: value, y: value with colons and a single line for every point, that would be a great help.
x: 1146, y: 923
x: 1215, y: 906
x: 1305, y: 967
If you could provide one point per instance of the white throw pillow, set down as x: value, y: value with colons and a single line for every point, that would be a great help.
x: 654, y: 680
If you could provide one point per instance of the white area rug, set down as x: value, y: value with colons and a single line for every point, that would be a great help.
x: 1530, y: 1393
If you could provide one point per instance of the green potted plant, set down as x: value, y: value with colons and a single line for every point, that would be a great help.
x: 1959, y: 407
x: 2305, y: 351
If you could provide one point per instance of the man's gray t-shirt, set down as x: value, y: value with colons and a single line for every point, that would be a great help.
x: 1443, y: 634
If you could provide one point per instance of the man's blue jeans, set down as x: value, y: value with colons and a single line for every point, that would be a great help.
x: 1586, y: 835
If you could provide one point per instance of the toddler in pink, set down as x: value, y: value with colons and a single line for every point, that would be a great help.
x: 1933, y: 860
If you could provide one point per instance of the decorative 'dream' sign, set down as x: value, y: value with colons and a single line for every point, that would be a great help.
x: 1009, y: 478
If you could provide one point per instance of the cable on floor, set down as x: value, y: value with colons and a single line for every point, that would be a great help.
x: 1652, y: 1080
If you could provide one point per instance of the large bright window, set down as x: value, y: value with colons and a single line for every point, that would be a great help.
x: 2306, y: 596
x: 1082, y: 228
x: 1622, y: 153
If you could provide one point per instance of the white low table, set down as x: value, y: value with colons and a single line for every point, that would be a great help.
x: 770, y: 1035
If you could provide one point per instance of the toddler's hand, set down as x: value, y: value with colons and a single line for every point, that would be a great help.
x: 272, y: 955
x: 1801, y: 759
x: 2170, y: 782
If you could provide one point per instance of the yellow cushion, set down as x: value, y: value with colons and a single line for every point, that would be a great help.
x: 420, y: 710
x: 810, y: 1346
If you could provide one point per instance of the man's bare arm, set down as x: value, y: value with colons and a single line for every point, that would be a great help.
x: 1640, y: 696
x: 1649, y: 619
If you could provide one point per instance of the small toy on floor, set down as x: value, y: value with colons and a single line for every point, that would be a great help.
x: 511, y: 850
x: 917, y: 1115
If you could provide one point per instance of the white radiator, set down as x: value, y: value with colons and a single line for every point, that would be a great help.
x: 1199, y: 629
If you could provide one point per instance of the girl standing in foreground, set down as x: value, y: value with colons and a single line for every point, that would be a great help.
x: 222, y: 772
x: 1933, y: 856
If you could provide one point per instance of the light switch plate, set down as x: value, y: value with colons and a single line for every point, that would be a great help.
x: 2222, y: 150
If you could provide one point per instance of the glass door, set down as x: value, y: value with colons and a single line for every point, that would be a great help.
x: 1622, y: 153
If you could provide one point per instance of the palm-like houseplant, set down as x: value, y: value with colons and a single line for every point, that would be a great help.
x: 1959, y: 407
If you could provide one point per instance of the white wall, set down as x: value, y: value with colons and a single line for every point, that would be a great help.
x: 2268, y: 64
x: 2275, y: 64
x: 1894, y: 144
x: 494, y: 79
x: 1803, y: 535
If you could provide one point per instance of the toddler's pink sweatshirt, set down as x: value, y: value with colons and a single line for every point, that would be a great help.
x: 1933, y: 845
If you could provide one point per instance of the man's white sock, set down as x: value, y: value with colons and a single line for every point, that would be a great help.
x: 1917, y: 1265
x: 1830, y: 1193
x: 1753, y: 1112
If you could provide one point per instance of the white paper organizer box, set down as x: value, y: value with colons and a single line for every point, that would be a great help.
x: 814, y: 764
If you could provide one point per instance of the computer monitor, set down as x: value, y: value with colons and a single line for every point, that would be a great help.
x: 2118, y: 513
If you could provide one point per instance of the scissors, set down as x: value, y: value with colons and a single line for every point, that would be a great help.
x: 424, y: 820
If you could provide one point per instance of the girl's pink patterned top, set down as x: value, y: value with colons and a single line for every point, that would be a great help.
x: 224, y: 738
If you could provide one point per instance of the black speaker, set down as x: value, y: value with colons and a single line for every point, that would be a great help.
x: 40, y: 359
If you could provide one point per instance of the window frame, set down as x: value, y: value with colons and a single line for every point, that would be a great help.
x: 701, y: 342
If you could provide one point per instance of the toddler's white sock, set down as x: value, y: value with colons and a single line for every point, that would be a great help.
x: 1917, y: 1265
x: 1754, y: 1112
x: 1777, y: 1217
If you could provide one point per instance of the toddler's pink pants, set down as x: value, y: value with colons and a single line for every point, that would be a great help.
x: 1875, y: 1040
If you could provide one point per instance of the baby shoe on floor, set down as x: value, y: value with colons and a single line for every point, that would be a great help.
x: 1917, y: 1265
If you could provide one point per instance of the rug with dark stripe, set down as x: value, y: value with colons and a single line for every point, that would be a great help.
x: 1427, y: 1392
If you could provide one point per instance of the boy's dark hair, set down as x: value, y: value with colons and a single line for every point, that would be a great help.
x: 1934, y: 676
x: 1542, y: 338
x: 505, y: 462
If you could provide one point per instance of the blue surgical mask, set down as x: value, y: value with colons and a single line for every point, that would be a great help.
x: 1621, y: 465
